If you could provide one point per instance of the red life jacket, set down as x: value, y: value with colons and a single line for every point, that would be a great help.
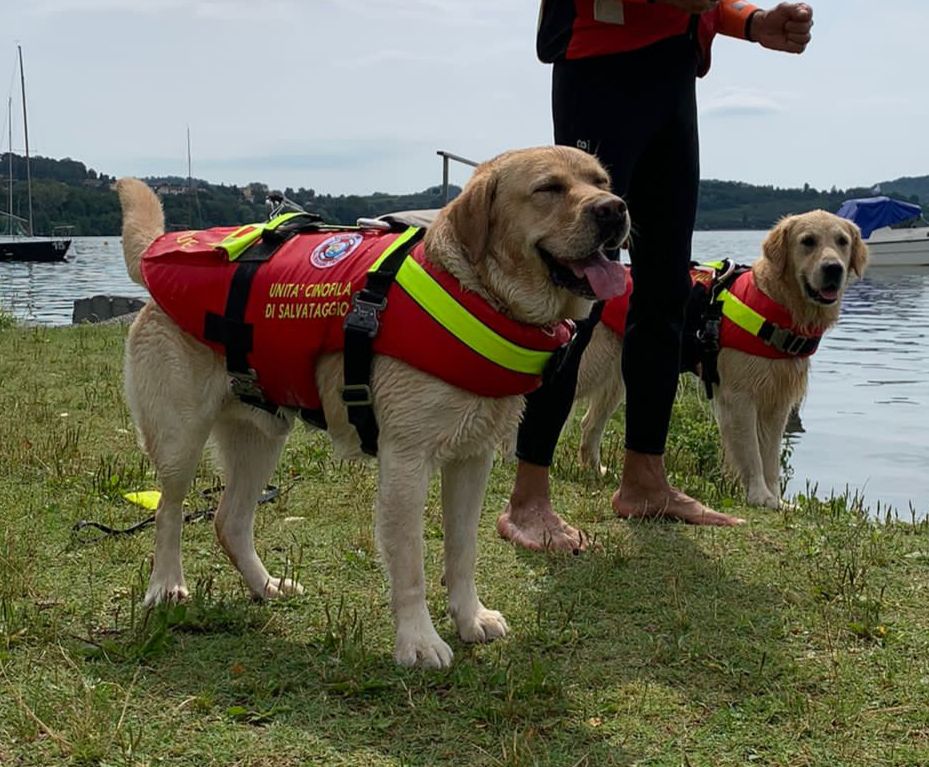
x: 298, y: 301
x: 731, y: 335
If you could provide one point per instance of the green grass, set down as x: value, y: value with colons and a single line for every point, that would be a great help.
x: 799, y: 639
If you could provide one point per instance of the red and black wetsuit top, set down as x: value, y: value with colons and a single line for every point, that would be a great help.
x: 577, y: 29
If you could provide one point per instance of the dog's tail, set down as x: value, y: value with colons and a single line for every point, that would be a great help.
x: 143, y: 221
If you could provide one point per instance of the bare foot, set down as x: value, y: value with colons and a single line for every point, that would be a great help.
x: 529, y: 520
x: 645, y: 493
x: 673, y: 505
x: 538, y: 528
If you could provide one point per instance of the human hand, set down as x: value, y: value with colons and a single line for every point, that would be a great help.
x: 691, y: 6
x: 784, y: 28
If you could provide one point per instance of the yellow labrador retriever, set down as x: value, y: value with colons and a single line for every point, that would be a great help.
x: 530, y: 234
x: 805, y: 265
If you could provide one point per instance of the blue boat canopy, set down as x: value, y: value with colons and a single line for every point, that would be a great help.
x: 872, y: 213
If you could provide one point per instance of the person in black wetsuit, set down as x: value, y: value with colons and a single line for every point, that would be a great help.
x: 623, y: 87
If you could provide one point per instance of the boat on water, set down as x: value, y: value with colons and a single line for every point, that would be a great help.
x: 22, y: 247
x: 895, y: 231
x: 20, y: 242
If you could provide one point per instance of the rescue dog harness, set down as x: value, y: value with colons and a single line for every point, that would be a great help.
x: 726, y: 309
x: 273, y: 297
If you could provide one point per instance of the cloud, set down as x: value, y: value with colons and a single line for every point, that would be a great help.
x: 740, y: 103
x: 227, y: 10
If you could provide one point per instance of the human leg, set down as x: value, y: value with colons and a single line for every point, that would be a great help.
x: 529, y: 519
x: 662, y: 199
x: 587, y: 107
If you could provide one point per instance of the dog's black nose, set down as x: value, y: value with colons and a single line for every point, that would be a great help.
x: 610, y: 214
x: 833, y: 273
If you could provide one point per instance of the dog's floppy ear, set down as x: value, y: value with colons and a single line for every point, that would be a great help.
x: 776, y: 244
x: 859, y: 260
x: 470, y: 213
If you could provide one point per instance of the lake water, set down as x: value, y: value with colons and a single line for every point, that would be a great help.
x: 866, y: 417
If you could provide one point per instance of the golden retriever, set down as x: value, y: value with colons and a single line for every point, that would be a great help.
x: 805, y: 265
x: 523, y: 234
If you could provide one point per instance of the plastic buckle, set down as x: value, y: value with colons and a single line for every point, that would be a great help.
x: 364, y: 313
x: 796, y: 346
x: 785, y: 341
x: 355, y: 395
x: 709, y: 336
x: 245, y: 384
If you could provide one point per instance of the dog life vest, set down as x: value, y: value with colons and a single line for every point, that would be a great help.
x: 750, y: 321
x: 296, y: 299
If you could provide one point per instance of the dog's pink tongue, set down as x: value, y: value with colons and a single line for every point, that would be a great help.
x: 829, y: 294
x: 607, y: 278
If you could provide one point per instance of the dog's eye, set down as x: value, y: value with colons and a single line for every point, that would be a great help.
x: 809, y: 241
x: 553, y: 187
x: 841, y: 240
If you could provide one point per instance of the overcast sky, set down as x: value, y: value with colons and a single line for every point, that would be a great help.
x: 356, y: 96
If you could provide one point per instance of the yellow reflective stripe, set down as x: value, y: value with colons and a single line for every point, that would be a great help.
x: 713, y: 264
x: 467, y: 328
x: 410, y: 231
x: 741, y: 314
x: 237, y: 242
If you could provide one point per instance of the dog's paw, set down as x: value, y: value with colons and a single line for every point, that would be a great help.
x: 159, y: 593
x: 764, y: 498
x: 589, y: 460
x: 280, y: 587
x: 423, y: 648
x: 483, y: 626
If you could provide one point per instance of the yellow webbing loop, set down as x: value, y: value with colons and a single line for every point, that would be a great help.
x: 237, y: 242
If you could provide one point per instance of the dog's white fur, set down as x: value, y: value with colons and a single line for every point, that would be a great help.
x: 755, y: 394
x: 178, y: 392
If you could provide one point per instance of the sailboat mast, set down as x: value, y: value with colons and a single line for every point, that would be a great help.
x: 22, y: 82
x: 9, y: 109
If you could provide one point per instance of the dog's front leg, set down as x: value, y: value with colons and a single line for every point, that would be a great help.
x: 401, y: 496
x: 602, y: 403
x: 738, y: 428
x: 770, y: 435
x: 463, y: 485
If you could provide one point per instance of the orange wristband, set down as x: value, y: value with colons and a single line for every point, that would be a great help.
x: 735, y: 18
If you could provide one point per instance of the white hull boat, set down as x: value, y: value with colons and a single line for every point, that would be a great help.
x: 899, y: 247
x: 895, y: 231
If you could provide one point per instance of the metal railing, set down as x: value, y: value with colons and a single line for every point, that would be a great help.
x: 446, y: 156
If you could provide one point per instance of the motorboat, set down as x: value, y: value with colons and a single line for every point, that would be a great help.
x: 895, y: 231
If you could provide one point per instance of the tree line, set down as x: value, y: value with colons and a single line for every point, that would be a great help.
x: 66, y: 192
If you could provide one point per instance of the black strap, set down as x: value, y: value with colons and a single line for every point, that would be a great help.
x: 231, y: 330
x: 708, y: 333
x: 237, y: 336
x: 361, y: 327
x: 786, y: 341
x: 566, y: 359
x: 315, y: 417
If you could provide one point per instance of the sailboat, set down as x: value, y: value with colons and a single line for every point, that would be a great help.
x: 20, y: 242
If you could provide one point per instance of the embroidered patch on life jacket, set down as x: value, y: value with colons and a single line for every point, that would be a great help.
x: 333, y: 249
